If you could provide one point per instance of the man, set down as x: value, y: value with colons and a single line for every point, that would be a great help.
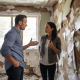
x: 12, y: 49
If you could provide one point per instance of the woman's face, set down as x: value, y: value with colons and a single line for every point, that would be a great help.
x: 48, y: 29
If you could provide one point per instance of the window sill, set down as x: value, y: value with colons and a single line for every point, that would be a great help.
x: 31, y: 50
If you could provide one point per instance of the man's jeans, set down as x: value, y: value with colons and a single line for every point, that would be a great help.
x: 15, y: 73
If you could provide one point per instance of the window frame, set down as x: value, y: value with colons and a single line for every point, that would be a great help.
x: 38, y: 18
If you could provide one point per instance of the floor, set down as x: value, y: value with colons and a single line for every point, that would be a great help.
x: 32, y: 77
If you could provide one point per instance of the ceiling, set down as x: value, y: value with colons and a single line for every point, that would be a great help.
x: 29, y: 2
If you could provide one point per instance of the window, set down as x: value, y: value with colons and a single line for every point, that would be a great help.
x: 5, y: 26
x: 31, y: 30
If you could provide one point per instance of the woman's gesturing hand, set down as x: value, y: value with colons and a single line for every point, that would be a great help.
x: 50, y: 44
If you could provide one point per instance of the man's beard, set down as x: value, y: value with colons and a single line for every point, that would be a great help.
x: 21, y: 28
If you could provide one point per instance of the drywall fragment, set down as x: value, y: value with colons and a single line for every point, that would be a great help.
x: 10, y: 7
x: 59, y: 1
x: 70, y: 36
x: 72, y: 33
x: 50, y: 8
x: 71, y: 15
x: 64, y: 35
x: 55, y: 13
x: 72, y: 75
x: 59, y: 17
x: 1, y: 58
x: 30, y: 59
x: 67, y: 31
x: 8, y: 11
x: 24, y: 11
x: 2, y: 12
x: 70, y: 47
x: 77, y: 9
x: 72, y: 65
x: 36, y: 70
x: 14, y: 11
x: 60, y: 75
x: 69, y: 60
x: 77, y: 44
x: 60, y: 63
x: 77, y: 24
x: 78, y: 76
x: 63, y: 54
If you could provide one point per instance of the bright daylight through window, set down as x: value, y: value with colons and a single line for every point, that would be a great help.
x: 26, y: 35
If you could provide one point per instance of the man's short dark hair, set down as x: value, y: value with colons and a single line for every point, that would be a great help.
x: 19, y: 18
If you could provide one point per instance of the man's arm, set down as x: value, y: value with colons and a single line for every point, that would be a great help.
x: 26, y: 46
x: 31, y: 43
x: 13, y: 61
x: 9, y: 40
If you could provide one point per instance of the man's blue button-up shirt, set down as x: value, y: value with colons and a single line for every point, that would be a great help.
x: 13, y: 46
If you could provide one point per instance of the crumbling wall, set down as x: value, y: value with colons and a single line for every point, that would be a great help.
x: 68, y: 30
x: 68, y: 66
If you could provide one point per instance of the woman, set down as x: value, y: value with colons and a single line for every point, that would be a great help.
x: 50, y: 46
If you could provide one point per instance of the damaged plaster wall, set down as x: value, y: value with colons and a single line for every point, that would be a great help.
x: 57, y: 13
x: 68, y: 66
x: 31, y: 58
x: 67, y: 21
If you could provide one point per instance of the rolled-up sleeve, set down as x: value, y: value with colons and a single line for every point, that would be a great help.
x: 58, y: 45
x: 9, y: 40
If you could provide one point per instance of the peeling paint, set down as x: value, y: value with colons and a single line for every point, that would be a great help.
x: 72, y: 15
x: 77, y: 24
x: 77, y: 9
x: 10, y: 6
x: 69, y: 62
x: 59, y: 18
x: 59, y: 1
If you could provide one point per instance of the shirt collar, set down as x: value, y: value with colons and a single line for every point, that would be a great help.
x: 18, y: 31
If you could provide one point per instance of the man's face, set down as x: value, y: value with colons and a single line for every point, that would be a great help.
x: 23, y: 24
